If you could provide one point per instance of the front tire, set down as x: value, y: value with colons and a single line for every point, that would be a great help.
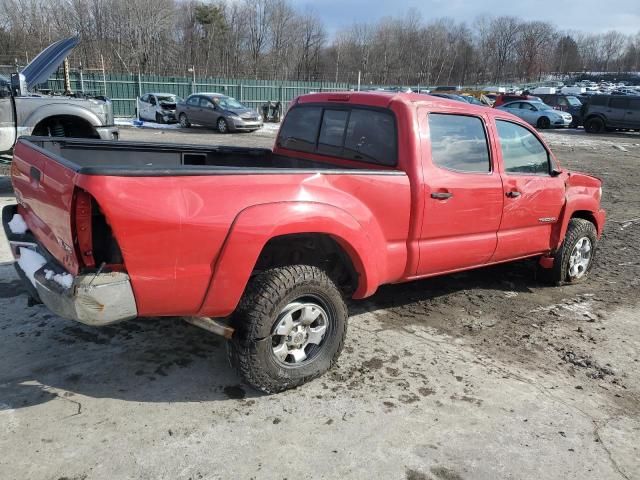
x: 290, y: 328
x: 223, y: 126
x: 159, y: 118
x: 543, y: 123
x: 575, y: 258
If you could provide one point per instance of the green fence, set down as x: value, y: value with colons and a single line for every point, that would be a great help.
x: 123, y: 89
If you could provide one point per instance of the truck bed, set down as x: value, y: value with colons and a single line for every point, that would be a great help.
x: 100, y: 157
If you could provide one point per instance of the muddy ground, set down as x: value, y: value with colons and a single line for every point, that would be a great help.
x: 479, y: 375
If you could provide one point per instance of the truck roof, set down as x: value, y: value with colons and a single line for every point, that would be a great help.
x: 383, y: 99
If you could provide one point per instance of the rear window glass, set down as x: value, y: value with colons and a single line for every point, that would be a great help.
x: 300, y: 129
x: 371, y: 137
x: 332, y: 131
x: 356, y: 134
x: 459, y: 143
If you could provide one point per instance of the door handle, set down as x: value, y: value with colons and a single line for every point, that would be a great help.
x: 513, y: 194
x: 441, y: 195
x: 35, y: 174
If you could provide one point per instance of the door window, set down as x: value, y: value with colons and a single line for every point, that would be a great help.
x: 459, y: 143
x: 145, y: 98
x: 527, y: 106
x: 634, y: 104
x: 206, y: 103
x: 618, y: 103
x: 514, y: 105
x: 193, y: 101
x: 563, y: 102
x: 522, y: 152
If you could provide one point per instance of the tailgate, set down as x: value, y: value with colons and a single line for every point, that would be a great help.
x: 44, y: 185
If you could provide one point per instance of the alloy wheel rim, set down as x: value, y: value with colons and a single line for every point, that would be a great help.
x: 299, y: 332
x: 222, y: 126
x: 580, y: 258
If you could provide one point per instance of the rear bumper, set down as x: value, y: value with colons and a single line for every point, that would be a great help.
x: 108, y: 133
x: 93, y: 299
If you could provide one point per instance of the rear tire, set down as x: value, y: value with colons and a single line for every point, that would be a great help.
x: 273, y: 322
x: 543, y: 123
x: 574, y: 260
x: 594, y: 125
x: 184, y: 121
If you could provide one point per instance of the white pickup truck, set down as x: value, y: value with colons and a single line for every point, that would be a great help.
x: 23, y: 112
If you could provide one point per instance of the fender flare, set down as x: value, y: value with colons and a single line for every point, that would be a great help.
x: 256, y: 225
x: 47, y: 111
x: 582, y: 203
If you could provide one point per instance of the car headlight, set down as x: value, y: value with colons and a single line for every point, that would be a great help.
x: 235, y: 117
x: 259, y: 118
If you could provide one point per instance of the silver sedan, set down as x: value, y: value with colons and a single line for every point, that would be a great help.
x: 538, y: 114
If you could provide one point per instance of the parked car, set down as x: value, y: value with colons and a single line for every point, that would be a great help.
x: 538, y: 114
x: 217, y: 110
x: 157, y: 107
x: 26, y: 112
x: 565, y: 103
x: 610, y: 112
x: 472, y: 100
x: 263, y: 246
x: 449, y: 96
x: 512, y: 97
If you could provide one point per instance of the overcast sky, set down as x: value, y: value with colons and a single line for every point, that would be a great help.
x: 587, y: 15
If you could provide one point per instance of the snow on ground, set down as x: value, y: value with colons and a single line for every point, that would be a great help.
x: 134, y: 122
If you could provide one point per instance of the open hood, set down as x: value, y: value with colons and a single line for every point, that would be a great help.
x: 47, y: 61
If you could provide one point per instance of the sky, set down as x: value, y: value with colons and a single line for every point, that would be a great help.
x: 595, y: 16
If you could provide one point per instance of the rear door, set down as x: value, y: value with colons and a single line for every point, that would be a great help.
x: 463, y: 193
x: 192, y: 108
x: 632, y: 115
x: 617, y: 111
x: 533, y: 195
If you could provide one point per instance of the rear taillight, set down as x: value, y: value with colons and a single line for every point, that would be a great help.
x: 83, y: 228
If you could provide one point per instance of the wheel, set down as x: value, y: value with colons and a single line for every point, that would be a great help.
x: 159, y: 118
x: 594, y: 125
x: 222, y: 125
x: 184, y: 121
x: 575, y: 258
x: 543, y: 123
x: 290, y: 328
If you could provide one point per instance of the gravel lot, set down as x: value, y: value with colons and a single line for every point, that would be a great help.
x: 478, y: 375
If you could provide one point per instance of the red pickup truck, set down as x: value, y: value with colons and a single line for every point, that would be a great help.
x: 360, y: 190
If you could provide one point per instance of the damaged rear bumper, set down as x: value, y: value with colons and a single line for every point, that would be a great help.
x: 93, y: 299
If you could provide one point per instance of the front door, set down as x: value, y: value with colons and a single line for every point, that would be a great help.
x: 463, y: 193
x: 533, y: 193
x: 7, y: 120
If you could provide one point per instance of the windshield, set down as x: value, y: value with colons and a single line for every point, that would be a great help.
x: 574, y: 102
x: 228, y: 103
x: 168, y: 99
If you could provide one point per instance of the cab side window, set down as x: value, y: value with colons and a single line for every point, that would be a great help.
x: 459, y: 143
x: 522, y: 152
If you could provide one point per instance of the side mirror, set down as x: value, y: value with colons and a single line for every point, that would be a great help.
x: 555, y: 171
